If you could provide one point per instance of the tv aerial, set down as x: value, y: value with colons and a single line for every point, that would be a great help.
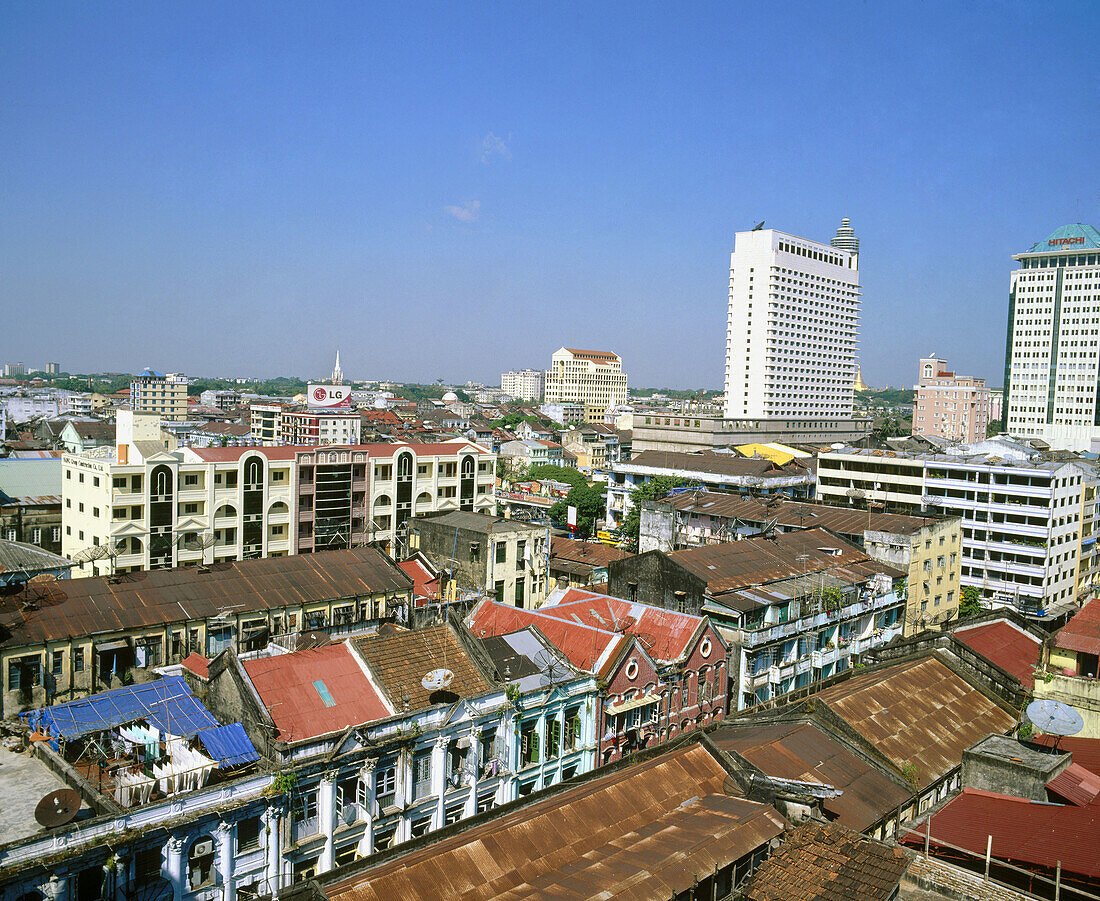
x: 1055, y: 718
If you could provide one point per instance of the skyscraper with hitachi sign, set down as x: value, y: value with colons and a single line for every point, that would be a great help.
x: 792, y: 326
x: 1052, y: 351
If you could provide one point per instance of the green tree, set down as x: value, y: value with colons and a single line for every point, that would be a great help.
x: 566, y: 474
x: 653, y: 490
x: 590, y: 501
x: 970, y: 601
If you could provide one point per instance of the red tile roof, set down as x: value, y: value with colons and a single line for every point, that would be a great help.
x: 665, y: 634
x: 1006, y: 644
x: 589, y: 648
x: 1076, y: 784
x: 1024, y: 832
x: 1082, y: 632
x: 826, y: 862
x: 315, y: 692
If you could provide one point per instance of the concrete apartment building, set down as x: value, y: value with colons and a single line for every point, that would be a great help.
x: 505, y: 559
x: 592, y: 378
x: 164, y: 394
x: 1052, y: 371
x: 523, y: 384
x: 926, y: 548
x: 796, y: 609
x: 141, y: 506
x: 281, y: 424
x: 792, y: 326
x: 950, y: 406
x: 1028, y: 522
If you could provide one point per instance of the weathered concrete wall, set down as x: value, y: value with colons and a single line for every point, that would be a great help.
x: 654, y: 579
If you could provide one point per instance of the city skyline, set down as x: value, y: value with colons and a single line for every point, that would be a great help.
x: 238, y: 192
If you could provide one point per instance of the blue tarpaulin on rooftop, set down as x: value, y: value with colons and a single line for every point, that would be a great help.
x: 229, y: 745
x: 167, y: 704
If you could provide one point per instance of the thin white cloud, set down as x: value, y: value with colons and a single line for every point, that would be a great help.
x: 492, y: 145
x: 468, y: 212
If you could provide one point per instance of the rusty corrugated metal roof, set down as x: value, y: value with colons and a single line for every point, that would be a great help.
x: 74, y: 607
x: 806, y: 752
x: 1006, y: 644
x: 641, y: 832
x: 917, y: 713
x: 757, y: 561
x: 795, y: 514
x: 1082, y: 632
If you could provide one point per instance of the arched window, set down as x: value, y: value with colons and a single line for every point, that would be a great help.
x: 383, y: 500
x: 404, y: 466
x: 226, y: 511
x: 162, y: 481
x: 278, y: 508
x: 425, y: 497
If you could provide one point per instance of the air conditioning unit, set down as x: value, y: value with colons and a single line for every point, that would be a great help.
x: 204, y: 847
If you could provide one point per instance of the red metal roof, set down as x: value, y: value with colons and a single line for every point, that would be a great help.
x: 1006, y: 644
x: 589, y: 648
x: 197, y: 664
x: 1024, y: 832
x: 1082, y: 632
x: 315, y: 692
x: 425, y: 585
x: 1076, y: 784
x: 1085, y: 751
x: 665, y: 634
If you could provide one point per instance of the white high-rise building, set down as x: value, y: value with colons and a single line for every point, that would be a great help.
x: 527, y: 384
x: 793, y: 326
x: 1052, y: 367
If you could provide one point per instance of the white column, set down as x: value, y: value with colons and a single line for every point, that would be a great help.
x: 439, y: 776
x: 473, y: 767
x: 273, y: 826
x: 366, y: 843
x: 224, y: 836
x: 177, y: 867
x: 326, y: 813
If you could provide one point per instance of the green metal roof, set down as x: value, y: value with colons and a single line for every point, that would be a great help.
x: 30, y: 478
x: 1076, y: 236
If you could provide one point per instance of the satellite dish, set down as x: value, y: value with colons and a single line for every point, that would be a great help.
x: 1054, y: 717
x: 57, y: 808
x: 437, y: 679
x: 856, y: 494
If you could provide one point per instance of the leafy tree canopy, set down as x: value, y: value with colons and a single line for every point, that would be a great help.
x: 655, y: 489
x: 590, y: 503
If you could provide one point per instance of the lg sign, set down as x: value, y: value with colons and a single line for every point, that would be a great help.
x: 328, y: 396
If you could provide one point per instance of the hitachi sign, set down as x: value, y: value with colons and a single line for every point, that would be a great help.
x: 1057, y: 242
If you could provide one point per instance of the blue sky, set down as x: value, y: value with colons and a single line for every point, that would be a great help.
x: 449, y: 190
